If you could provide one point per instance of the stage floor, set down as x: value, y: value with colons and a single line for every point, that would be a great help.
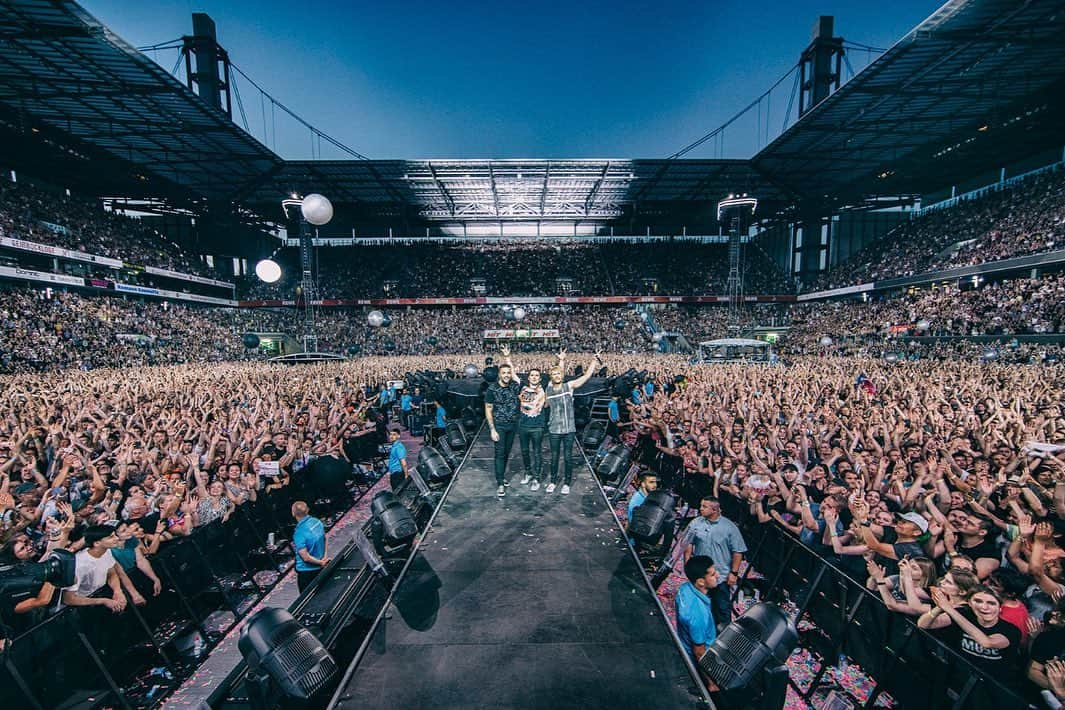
x: 533, y: 600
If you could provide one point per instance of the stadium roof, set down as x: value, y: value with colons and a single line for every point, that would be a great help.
x: 974, y: 85
x: 514, y: 189
x: 65, y: 74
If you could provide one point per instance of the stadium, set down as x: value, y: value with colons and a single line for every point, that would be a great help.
x: 770, y: 426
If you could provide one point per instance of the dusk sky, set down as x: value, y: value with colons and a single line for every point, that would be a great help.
x: 464, y: 79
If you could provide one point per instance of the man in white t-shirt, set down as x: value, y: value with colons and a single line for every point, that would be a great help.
x: 95, y: 567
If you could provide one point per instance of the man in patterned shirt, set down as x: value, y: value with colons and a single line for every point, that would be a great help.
x: 501, y: 410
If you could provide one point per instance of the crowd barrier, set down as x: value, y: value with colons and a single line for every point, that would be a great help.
x: 909, y: 664
x: 211, y: 579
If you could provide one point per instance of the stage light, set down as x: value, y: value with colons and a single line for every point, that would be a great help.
x: 652, y: 517
x: 612, y: 465
x: 432, y: 465
x: 268, y: 271
x: 396, y: 523
x: 764, y: 635
x: 274, y: 643
x: 593, y: 435
x: 316, y: 209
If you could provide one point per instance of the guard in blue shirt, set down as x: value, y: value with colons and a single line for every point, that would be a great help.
x: 695, y: 619
x: 441, y: 416
x: 397, y: 460
x: 309, y: 543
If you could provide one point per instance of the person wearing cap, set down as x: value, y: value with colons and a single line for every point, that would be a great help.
x: 908, y: 528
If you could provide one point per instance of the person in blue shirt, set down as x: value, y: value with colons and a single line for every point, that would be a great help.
x: 405, y: 401
x: 309, y: 542
x: 441, y: 415
x: 636, y: 395
x: 648, y: 483
x: 695, y: 619
x: 717, y: 537
x: 397, y: 460
x: 649, y: 388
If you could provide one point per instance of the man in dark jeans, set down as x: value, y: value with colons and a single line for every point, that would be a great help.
x: 501, y: 408
x: 531, y: 420
x: 562, y: 427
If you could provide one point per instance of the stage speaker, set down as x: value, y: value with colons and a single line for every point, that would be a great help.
x: 274, y: 643
x: 380, y: 501
x: 764, y: 635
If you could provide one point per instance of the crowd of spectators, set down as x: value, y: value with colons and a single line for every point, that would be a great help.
x: 941, y: 484
x: 1026, y: 217
x: 527, y: 269
x: 70, y: 222
x: 49, y: 330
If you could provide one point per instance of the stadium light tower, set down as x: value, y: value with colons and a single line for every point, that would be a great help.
x: 311, y: 210
x: 736, y: 211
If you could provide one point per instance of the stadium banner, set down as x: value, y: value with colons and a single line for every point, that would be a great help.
x: 23, y: 245
x: 510, y: 334
x: 495, y: 301
x: 187, y: 277
x: 45, y: 276
x: 846, y: 290
x: 163, y: 293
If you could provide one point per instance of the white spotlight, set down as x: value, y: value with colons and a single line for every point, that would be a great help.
x: 268, y: 271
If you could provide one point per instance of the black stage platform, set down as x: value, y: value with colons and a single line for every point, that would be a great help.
x: 529, y: 601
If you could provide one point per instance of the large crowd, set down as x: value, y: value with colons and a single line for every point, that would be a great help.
x: 46, y: 217
x: 1026, y: 217
x: 941, y: 484
x: 531, y: 269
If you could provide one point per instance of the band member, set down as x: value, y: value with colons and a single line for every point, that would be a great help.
x: 501, y: 410
x: 531, y: 422
x: 562, y: 428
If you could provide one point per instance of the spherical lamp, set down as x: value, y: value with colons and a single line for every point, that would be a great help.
x: 316, y: 209
x: 268, y: 271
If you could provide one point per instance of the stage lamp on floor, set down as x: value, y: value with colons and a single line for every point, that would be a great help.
x: 277, y: 647
x: 761, y: 639
x: 652, y: 518
x: 612, y: 466
x: 432, y: 465
x: 396, y: 522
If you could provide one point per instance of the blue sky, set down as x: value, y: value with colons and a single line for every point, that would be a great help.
x: 459, y: 79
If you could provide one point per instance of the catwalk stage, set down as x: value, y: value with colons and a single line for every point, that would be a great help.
x: 533, y: 600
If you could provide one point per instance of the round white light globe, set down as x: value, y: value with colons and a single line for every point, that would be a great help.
x: 519, y: 313
x: 268, y: 271
x: 923, y: 325
x: 657, y: 337
x: 892, y: 357
x: 826, y: 340
x: 471, y: 370
x: 316, y: 209
x: 375, y: 318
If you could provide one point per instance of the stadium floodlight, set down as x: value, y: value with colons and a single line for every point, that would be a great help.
x: 732, y: 201
x: 268, y: 271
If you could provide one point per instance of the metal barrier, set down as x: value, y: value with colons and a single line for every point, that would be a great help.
x: 211, y: 579
x: 914, y: 667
